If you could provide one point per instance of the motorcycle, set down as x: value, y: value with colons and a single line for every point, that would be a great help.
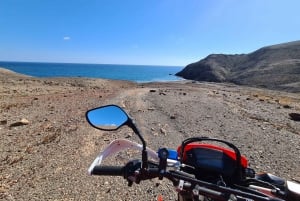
x: 199, y: 169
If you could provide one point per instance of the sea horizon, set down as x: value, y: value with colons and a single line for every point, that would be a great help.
x: 129, y: 72
x: 54, y: 62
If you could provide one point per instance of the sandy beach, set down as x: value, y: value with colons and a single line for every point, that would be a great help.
x: 46, y: 145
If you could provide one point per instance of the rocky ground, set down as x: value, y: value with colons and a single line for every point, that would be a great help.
x: 46, y: 145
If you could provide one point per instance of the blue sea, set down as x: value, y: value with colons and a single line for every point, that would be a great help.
x: 136, y: 73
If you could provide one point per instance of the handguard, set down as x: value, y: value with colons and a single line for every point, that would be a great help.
x: 119, y: 145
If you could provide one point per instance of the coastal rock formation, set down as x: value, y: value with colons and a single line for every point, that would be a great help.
x: 273, y: 67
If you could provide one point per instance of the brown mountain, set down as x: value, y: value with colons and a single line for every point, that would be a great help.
x: 274, y: 67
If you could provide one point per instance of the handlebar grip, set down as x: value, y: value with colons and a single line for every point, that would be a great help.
x: 108, y: 170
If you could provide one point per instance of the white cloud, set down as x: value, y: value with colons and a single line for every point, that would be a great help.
x: 67, y: 38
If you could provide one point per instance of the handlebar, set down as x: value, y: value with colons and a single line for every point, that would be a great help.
x: 108, y: 170
x: 204, y: 188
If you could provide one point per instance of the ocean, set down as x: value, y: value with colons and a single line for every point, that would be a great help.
x: 136, y: 73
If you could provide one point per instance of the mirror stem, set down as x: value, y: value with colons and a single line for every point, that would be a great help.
x: 144, y: 151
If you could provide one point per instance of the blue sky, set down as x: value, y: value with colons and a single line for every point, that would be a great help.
x: 154, y: 32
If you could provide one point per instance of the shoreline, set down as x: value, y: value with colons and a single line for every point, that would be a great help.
x: 180, y: 80
x: 136, y: 73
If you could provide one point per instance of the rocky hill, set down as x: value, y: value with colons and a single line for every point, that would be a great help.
x: 274, y: 67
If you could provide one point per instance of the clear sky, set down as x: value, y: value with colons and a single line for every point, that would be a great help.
x: 154, y: 32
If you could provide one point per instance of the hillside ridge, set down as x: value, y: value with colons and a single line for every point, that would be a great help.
x: 274, y: 67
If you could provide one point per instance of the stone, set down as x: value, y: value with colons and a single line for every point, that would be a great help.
x: 22, y: 122
x: 163, y: 131
x: 295, y: 116
x: 3, y: 122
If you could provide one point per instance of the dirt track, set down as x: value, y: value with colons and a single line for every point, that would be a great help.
x: 47, y: 159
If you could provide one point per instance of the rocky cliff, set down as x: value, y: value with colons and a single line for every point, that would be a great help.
x: 274, y: 67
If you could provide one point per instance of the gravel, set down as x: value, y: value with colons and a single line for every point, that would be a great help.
x: 47, y: 158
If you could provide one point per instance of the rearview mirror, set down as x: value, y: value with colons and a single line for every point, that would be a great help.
x: 110, y: 117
